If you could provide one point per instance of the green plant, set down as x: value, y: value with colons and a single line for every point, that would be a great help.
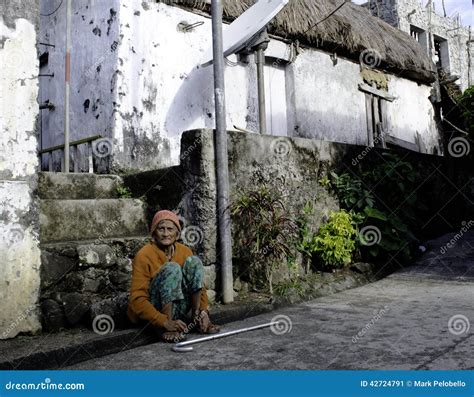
x: 466, y: 103
x: 335, y: 240
x: 386, y: 200
x: 124, y: 192
x: 286, y: 287
x: 305, y: 243
x: 264, y: 229
x: 351, y: 192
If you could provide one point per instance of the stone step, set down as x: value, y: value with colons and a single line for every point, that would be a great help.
x: 78, y: 186
x: 76, y: 220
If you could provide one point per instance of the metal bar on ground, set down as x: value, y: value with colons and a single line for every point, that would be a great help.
x: 179, y: 347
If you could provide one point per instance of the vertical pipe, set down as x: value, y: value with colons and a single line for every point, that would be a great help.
x: 222, y: 170
x: 67, y: 79
x: 262, y: 115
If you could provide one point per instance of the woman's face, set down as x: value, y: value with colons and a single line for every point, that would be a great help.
x: 166, y: 233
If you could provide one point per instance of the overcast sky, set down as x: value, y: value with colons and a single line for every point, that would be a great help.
x: 463, y: 7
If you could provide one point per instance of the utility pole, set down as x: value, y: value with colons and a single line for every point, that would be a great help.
x: 222, y: 163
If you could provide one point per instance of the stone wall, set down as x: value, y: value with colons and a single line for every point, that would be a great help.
x: 19, y: 252
x: 295, y: 165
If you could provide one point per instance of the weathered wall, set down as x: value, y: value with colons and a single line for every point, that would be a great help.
x: 162, y: 90
x: 95, y: 37
x: 411, y: 113
x: 317, y: 112
x: 150, y: 88
x: 403, y: 13
x: 19, y: 252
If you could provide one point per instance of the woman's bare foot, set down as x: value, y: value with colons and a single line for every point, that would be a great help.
x: 204, y: 323
x: 173, y: 337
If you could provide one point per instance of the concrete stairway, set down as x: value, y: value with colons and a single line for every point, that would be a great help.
x: 88, y: 237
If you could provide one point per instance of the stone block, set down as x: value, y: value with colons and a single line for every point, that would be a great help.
x: 53, y: 315
x: 121, y: 280
x: 89, y: 280
x: 75, y: 306
x: 99, y: 255
x: 91, y: 220
x: 54, y: 267
x: 77, y: 186
x: 210, y: 277
x: 115, y: 308
x: 211, y: 295
x: 124, y: 265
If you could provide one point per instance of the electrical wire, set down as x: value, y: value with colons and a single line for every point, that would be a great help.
x: 51, y: 13
x: 326, y: 17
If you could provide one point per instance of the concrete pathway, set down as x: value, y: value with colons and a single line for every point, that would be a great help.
x: 418, y: 318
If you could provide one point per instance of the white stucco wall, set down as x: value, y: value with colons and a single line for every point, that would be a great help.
x: 411, y: 113
x: 164, y: 90
x: 19, y: 252
x: 152, y: 88
x: 327, y: 102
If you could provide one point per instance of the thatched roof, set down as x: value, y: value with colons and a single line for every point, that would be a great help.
x: 349, y: 32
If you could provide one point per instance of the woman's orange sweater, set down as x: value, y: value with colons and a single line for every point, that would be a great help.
x: 146, y: 265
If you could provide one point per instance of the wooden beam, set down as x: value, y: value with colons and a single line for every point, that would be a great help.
x: 78, y: 142
x: 370, y: 122
x: 402, y: 143
x: 371, y: 90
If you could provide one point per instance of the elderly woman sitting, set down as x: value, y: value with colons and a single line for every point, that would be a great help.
x: 168, y: 284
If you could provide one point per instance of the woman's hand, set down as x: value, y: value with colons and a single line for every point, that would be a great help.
x: 175, y: 325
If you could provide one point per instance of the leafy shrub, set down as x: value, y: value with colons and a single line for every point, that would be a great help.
x: 335, y: 241
x: 466, y: 103
x: 265, y: 231
x: 377, y: 196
